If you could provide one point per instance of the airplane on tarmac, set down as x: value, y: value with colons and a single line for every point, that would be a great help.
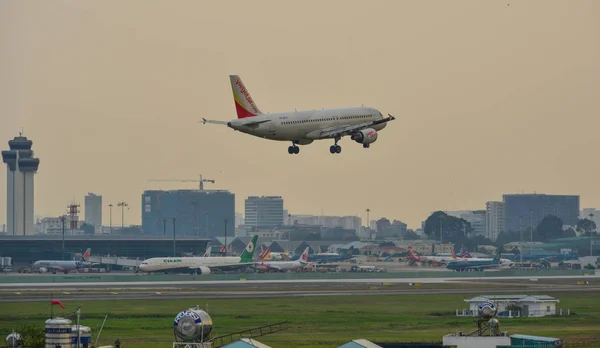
x: 328, y: 257
x: 304, y: 127
x: 443, y: 260
x: 53, y: 266
x: 479, y: 264
x: 200, y: 265
x: 285, y: 265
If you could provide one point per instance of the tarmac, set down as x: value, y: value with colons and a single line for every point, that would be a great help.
x: 158, y: 284
x: 27, y: 292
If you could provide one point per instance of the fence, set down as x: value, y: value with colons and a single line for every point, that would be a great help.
x: 517, y: 313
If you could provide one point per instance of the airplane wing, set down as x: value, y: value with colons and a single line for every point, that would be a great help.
x: 225, y: 267
x: 249, y: 124
x: 348, y: 130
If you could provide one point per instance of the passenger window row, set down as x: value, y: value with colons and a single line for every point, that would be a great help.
x: 325, y: 119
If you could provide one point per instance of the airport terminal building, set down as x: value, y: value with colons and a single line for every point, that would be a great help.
x: 26, y: 249
x: 197, y: 213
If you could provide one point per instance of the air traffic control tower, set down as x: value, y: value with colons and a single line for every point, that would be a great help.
x: 21, y: 166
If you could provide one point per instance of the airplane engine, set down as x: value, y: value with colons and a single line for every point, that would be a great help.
x: 43, y: 270
x: 365, y: 136
x: 203, y: 270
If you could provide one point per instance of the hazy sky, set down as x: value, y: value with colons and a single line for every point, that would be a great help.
x: 491, y: 97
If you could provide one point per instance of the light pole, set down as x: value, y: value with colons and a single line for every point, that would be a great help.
x: 225, y: 222
x: 62, y: 218
x: 521, y: 246
x: 110, y: 209
x: 122, y: 205
x: 441, y: 230
x: 591, y: 221
x: 174, y: 237
x: 165, y: 227
x: 531, y: 224
x: 206, y: 225
x: 368, y: 222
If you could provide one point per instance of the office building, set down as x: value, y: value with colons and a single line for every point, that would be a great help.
x: 197, y: 213
x: 93, y: 211
x: 494, y: 219
x: 345, y: 222
x: 264, y: 211
x: 477, y: 220
x: 21, y: 167
x: 523, y: 210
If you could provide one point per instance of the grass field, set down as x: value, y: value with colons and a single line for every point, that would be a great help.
x: 325, y: 321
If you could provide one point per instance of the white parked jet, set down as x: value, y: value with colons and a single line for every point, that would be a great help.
x: 200, y: 265
x: 285, y: 265
x: 304, y: 127
x: 54, y: 266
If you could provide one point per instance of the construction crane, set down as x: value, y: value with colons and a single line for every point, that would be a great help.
x: 201, y: 181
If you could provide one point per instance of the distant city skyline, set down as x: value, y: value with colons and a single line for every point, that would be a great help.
x: 489, y: 100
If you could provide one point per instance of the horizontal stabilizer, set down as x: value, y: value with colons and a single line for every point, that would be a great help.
x: 205, y: 121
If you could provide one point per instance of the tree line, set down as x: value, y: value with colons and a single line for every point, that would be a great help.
x: 440, y: 226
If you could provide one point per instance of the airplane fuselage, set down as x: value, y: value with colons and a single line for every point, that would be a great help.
x: 60, y: 265
x: 303, y: 127
x: 160, y: 264
x: 283, y: 265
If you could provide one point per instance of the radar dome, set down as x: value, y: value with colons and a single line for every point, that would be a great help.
x: 487, y: 310
x: 192, y: 324
x: 14, y: 340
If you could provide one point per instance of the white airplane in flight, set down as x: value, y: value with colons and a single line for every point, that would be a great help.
x: 304, y: 127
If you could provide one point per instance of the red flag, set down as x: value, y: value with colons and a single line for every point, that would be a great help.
x: 57, y: 302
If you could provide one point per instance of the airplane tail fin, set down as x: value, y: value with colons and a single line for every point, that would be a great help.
x: 207, y: 252
x: 86, y: 255
x: 465, y: 252
x: 411, y: 254
x: 304, y: 256
x: 248, y: 253
x: 453, y: 254
x: 265, y: 253
x: 244, y: 105
x: 497, y: 257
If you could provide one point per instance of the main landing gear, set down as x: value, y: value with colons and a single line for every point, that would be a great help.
x: 293, y: 150
x: 366, y: 146
x: 335, y: 148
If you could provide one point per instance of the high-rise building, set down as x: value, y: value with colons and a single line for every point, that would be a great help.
x: 93, y: 211
x: 523, y: 210
x: 477, y: 220
x: 494, y: 219
x: 264, y: 211
x: 21, y: 167
x: 197, y: 213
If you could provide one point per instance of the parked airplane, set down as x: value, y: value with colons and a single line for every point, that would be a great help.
x: 442, y: 260
x: 200, y: 265
x: 304, y: 127
x: 285, y: 265
x: 53, y: 266
x: 480, y: 264
x: 328, y: 257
